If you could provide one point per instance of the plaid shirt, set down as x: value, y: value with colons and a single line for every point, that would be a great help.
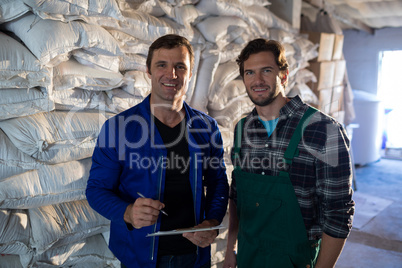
x: 320, y: 172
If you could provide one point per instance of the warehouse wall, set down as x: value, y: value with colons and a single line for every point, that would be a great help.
x: 361, y: 51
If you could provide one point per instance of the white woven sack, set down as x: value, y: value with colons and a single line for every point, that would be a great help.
x: 89, y: 252
x: 248, y: 11
x: 68, y: 10
x: 222, y: 30
x: 96, y: 60
x: 47, y: 185
x: 113, y: 101
x: 18, y: 66
x: 51, y: 41
x: 304, y: 76
x: 289, y: 50
x: 267, y: 19
x: 221, y: 7
x: 183, y: 14
x: 119, y: 100
x: 12, y: 160
x: 295, y: 65
x: 305, y: 93
x: 224, y: 74
x: 148, y: 28
x: 16, y: 102
x: 10, y: 261
x: 232, y: 51
x: 137, y: 83
x: 227, y: 140
x: 144, y: 6
x: 14, y: 232
x: 63, y: 224
x: 232, y: 113
x: 130, y: 61
x: 305, y: 49
x: 281, y: 36
x: 71, y: 74
x: 82, y: 99
x: 228, y: 94
x: 130, y: 44
x: 182, y: 2
x: 205, y: 74
x: 57, y: 136
x: 12, y: 9
x: 197, y: 48
x: 228, y: 7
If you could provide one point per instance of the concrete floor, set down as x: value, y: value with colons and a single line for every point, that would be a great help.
x: 376, y: 237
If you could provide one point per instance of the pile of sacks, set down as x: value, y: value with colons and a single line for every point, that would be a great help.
x: 67, y: 66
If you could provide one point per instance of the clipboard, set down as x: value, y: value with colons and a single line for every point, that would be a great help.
x: 185, y: 230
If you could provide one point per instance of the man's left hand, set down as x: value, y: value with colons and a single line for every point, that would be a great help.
x: 204, y: 238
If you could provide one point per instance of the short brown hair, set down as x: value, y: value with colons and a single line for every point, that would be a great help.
x: 170, y: 41
x: 261, y: 45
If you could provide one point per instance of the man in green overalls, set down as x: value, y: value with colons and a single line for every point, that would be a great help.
x: 290, y: 198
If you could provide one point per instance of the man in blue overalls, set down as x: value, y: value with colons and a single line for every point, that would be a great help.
x: 290, y: 198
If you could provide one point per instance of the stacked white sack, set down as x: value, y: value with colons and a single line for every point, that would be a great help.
x: 57, y: 136
x: 12, y: 160
x: 91, y: 252
x: 46, y: 165
x: 59, y: 235
x: 74, y: 10
x: 11, y: 9
x: 63, y: 225
x: 52, y: 41
x: 58, y: 145
x: 24, y: 83
x: 47, y: 185
x: 15, y: 232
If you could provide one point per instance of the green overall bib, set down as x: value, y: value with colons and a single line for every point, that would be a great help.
x: 271, y: 227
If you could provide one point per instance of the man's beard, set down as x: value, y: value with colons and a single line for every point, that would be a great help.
x: 268, y: 100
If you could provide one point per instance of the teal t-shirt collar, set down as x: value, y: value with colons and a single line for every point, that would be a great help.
x: 269, y: 125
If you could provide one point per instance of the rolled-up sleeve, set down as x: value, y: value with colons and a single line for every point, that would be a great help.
x: 334, y: 180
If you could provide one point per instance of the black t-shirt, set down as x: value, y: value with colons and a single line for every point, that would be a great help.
x: 178, y: 198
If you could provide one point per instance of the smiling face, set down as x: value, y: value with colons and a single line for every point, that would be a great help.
x: 170, y: 74
x: 262, y: 78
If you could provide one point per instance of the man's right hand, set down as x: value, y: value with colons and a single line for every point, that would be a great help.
x: 230, y: 260
x: 143, y: 212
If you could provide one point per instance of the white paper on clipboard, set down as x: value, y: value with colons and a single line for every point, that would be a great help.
x: 185, y: 230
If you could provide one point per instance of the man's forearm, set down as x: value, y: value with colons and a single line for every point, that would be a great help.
x: 330, y: 251
x: 233, y: 226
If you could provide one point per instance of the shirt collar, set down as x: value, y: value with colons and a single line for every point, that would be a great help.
x: 291, y: 107
x: 286, y: 111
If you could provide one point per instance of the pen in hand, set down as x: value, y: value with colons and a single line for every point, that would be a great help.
x: 141, y: 195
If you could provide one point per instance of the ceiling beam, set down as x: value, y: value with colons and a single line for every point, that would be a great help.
x: 354, y: 23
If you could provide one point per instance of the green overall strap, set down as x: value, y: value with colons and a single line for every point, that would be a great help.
x: 297, y: 135
x: 237, y: 142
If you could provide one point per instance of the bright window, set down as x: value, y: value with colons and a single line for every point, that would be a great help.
x: 390, y: 94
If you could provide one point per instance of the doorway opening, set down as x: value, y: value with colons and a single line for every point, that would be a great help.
x: 390, y: 94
